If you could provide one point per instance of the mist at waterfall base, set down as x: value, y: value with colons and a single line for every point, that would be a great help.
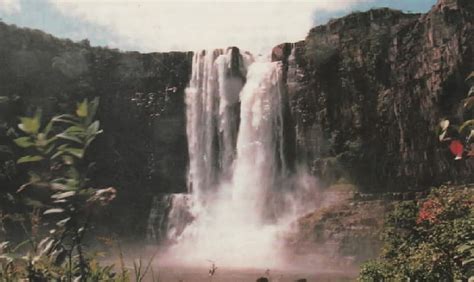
x: 245, y: 193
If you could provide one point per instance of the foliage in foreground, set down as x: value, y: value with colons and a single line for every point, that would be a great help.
x: 60, y: 198
x: 427, y: 240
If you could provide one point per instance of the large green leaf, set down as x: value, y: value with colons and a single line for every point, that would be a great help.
x: 48, y: 127
x: 49, y: 149
x: 93, y: 128
x: 75, y: 129
x: 66, y: 119
x: 69, y: 137
x: 29, y: 159
x: 92, y: 131
x: 57, y: 154
x: 82, y: 109
x: 24, y: 142
x: 76, y: 152
x: 30, y: 125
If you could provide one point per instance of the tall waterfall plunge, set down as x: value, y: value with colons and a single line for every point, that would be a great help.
x: 242, y: 192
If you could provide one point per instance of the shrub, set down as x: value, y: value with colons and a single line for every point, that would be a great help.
x: 375, y: 271
x: 62, y: 198
x: 430, y: 239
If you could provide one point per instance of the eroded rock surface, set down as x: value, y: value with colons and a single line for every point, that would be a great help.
x: 367, y: 92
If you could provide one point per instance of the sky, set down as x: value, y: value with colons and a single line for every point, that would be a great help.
x: 166, y: 25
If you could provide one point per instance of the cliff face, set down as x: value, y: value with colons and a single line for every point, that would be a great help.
x: 367, y: 92
x: 143, y: 148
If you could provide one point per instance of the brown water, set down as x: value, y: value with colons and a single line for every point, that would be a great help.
x: 311, y: 269
x: 244, y: 275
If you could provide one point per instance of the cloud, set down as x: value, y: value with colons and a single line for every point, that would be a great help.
x: 337, y: 5
x: 10, y: 6
x: 192, y: 25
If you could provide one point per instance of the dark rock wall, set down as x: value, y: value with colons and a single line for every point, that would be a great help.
x: 143, y: 149
x: 367, y: 92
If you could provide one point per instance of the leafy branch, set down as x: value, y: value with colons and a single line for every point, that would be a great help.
x: 55, y: 156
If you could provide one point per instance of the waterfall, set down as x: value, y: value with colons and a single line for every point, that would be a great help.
x: 240, y: 192
x: 169, y: 216
x: 212, y: 111
x: 260, y: 162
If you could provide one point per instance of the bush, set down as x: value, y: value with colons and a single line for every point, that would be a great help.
x: 61, y: 199
x: 427, y: 240
x: 375, y: 271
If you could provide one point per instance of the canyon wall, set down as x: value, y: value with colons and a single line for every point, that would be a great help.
x: 368, y: 90
x: 143, y: 149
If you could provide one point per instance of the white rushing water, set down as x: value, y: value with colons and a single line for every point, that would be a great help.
x: 242, y: 195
